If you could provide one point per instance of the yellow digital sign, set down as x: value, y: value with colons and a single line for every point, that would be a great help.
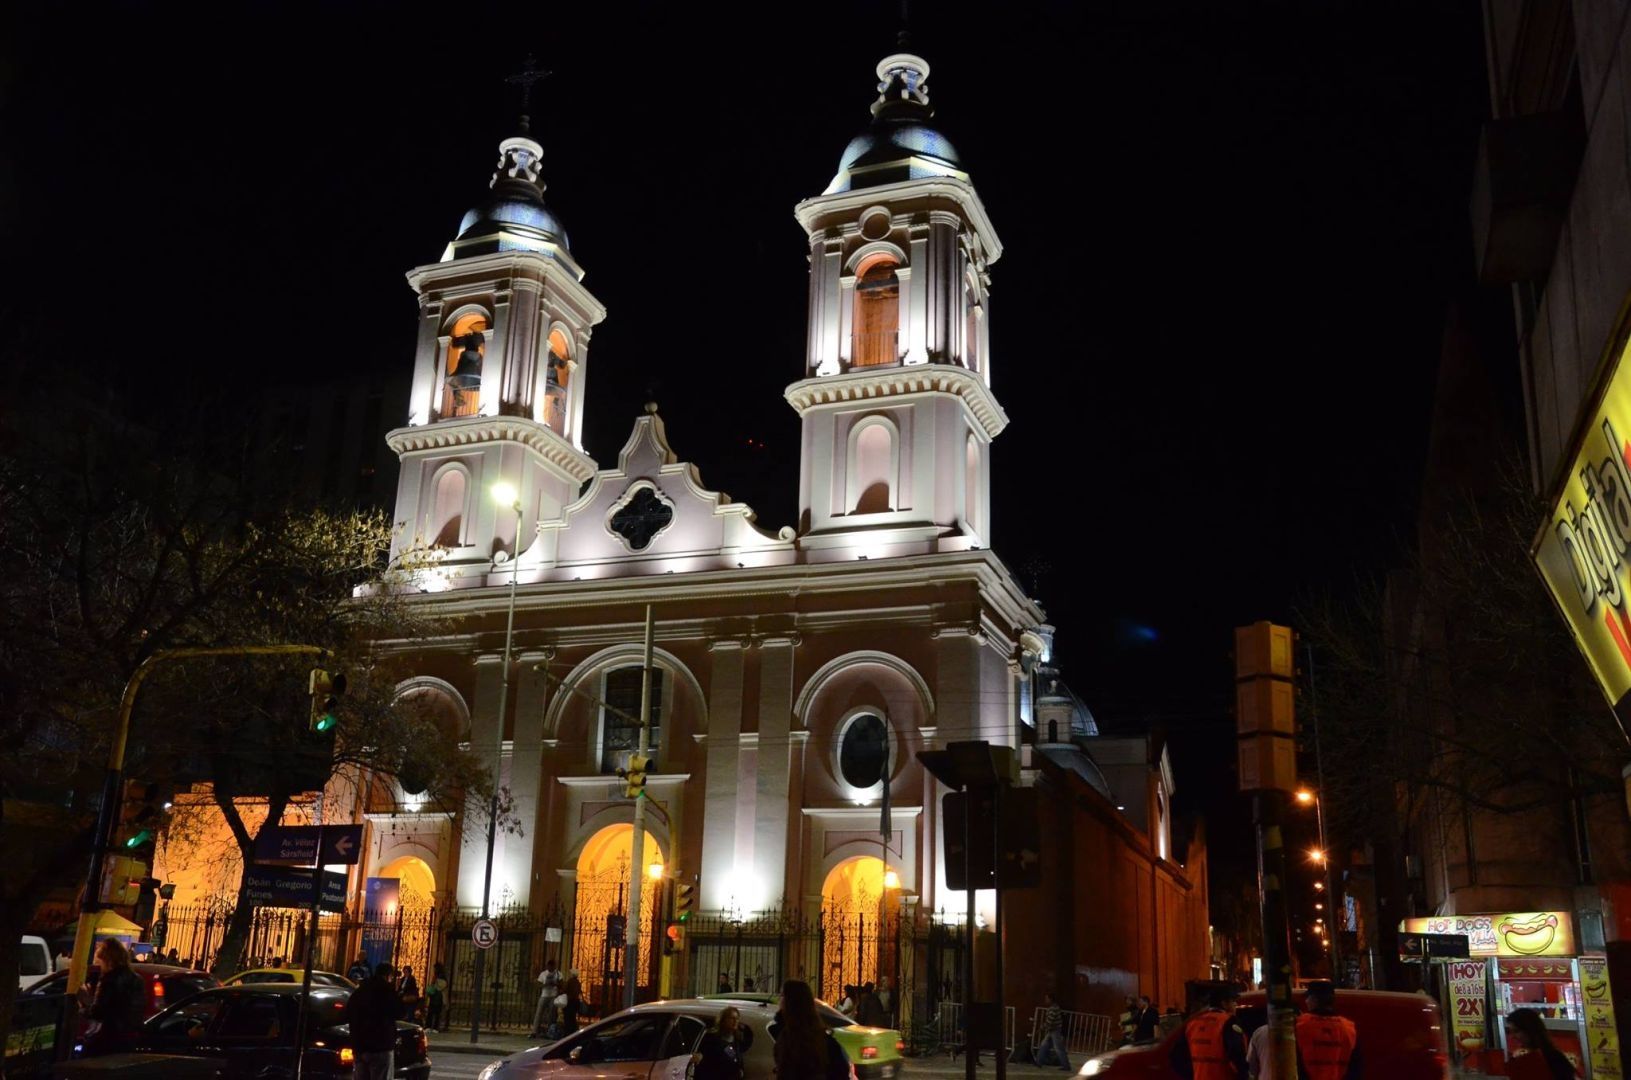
x: 1518, y: 934
x: 1582, y: 550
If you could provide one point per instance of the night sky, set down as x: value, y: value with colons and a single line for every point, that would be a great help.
x: 1231, y: 237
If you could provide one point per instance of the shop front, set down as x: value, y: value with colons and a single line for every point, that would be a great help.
x: 1523, y: 960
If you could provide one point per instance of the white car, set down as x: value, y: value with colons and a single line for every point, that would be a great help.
x: 655, y: 1040
x: 33, y: 961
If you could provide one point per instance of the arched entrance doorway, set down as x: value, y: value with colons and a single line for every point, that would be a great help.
x: 410, y: 923
x: 859, y: 912
x: 601, y: 915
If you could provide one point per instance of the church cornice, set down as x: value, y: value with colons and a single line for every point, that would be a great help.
x: 863, y: 384
x: 810, y: 212
x: 475, y: 430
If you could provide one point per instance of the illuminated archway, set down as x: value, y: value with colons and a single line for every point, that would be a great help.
x: 602, y: 891
x: 413, y: 917
x: 418, y: 888
x: 858, y: 902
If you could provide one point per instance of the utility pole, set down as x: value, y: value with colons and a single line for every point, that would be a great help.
x: 631, y: 935
x: 1266, y: 726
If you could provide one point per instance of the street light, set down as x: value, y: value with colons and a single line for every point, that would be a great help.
x: 505, y: 494
x: 1305, y: 796
x: 655, y: 871
x: 1316, y: 855
x: 891, y: 880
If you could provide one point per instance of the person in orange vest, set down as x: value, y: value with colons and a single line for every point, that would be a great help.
x: 1327, y: 1044
x: 1213, y: 1046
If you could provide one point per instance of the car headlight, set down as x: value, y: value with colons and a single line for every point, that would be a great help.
x: 490, y: 1070
x: 1090, y: 1067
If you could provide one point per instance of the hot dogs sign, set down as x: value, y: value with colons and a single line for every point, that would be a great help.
x: 1519, y: 934
x: 1583, y: 549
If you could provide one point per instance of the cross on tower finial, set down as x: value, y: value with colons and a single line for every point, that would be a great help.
x: 529, y: 74
x: 903, y: 36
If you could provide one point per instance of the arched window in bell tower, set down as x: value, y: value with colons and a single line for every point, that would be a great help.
x: 447, y: 512
x: 877, y: 313
x: 555, y: 387
x: 461, y: 381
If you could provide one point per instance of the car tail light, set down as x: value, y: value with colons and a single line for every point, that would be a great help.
x: 347, y: 1055
x: 869, y: 1051
x: 900, y: 1046
x: 158, y: 991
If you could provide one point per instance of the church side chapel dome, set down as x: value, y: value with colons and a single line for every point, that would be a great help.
x: 902, y: 143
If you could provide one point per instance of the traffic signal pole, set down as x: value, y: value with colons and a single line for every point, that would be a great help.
x: 113, y: 781
x: 637, y: 871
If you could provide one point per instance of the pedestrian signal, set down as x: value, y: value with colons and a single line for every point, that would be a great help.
x: 326, y: 689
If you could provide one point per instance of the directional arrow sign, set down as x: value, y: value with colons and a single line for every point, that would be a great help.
x: 342, y: 845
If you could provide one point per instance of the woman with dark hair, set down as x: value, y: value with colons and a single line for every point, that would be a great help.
x: 1541, y: 1060
x: 719, y: 1054
x: 805, y: 1049
x: 115, y: 1001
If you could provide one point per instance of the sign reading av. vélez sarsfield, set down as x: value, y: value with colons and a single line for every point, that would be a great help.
x: 308, y: 845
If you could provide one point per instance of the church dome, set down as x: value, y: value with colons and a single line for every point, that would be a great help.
x: 517, y: 209
x: 902, y: 143
x: 513, y: 216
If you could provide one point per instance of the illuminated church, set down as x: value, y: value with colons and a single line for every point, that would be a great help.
x: 798, y: 670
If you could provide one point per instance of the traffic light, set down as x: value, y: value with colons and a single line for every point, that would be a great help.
x: 147, y: 892
x: 326, y: 690
x: 634, y: 777
x: 145, y: 809
x: 685, y: 895
x: 671, y: 940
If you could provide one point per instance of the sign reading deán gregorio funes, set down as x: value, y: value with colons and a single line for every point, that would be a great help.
x: 1518, y: 934
x: 1583, y: 549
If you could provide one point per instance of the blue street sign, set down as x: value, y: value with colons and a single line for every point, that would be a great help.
x: 291, y: 845
x: 281, y: 886
x: 309, y: 845
x: 342, y: 844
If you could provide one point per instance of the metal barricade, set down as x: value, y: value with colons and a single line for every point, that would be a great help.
x: 948, y: 1024
x: 1085, y: 1033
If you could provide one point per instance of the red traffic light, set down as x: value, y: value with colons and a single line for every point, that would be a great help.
x: 673, y: 932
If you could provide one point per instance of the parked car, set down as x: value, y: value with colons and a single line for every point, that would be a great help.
x: 250, y: 1028
x: 33, y: 961
x: 165, y: 984
x: 290, y: 975
x: 875, y: 1052
x: 655, y: 1041
x: 1401, y: 1037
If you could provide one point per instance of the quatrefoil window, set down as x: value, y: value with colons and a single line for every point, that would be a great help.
x: 641, y: 517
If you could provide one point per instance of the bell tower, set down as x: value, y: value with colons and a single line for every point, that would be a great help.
x: 896, y: 396
x: 499, y: 376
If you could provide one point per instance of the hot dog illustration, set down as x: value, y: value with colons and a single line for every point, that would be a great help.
x: 1528, y: 936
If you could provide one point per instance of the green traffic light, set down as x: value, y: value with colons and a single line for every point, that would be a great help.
x: 326, y: 723
x: 684, y: 915
x: 139, y: 839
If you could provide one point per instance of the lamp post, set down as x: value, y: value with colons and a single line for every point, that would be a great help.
x: 505, y: 494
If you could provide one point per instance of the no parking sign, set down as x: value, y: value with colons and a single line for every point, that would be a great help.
x: 484, y: 934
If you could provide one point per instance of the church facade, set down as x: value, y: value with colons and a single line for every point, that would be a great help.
x: 797, y: 673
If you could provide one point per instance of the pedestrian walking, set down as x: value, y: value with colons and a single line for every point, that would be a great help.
x: 549, y: 988
x: 1327, y: 1044
x: 115, y: 1001
x: 1213, y: 1046
x: 1149, y: 1020
x: 805, y: 1049
x: 372, y: 1012
x: 1052, y: 1050
x: 436, y: 996
x: 1260, y: 1054
x: 407, y: 988
x: 719, y: 1054
x: 1536, y: 1057
x: 572, y: 990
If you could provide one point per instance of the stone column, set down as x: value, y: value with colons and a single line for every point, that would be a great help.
x: 484, y: 720
x: 495, y: 362
x: 720, y: 782
x: 827, y: 304
x: 521, y: 367
x: 428, y: 356
x: 915, y: 281
x: 772, y: 802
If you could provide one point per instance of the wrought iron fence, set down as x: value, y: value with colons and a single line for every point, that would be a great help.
x: 830, y: 948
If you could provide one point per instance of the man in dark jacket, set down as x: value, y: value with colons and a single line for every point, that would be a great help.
x: 372, y: 1012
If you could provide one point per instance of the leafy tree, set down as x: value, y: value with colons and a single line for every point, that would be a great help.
x: 120, y: 542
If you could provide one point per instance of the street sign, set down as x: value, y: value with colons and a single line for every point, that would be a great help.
x: 484, y: 934
x: 283, y: 886
x: 308, y: 845
x: 289, y: 845
x: 1415, y: 948
x: 341, y: 845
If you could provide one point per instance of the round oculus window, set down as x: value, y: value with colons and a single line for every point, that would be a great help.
x: 861, y: 754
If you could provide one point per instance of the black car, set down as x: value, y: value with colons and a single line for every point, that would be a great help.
x: 250, y: 1029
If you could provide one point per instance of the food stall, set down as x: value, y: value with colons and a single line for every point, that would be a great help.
x: 1519, y: 960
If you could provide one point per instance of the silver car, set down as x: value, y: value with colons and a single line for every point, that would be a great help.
x: 647, y: 1042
